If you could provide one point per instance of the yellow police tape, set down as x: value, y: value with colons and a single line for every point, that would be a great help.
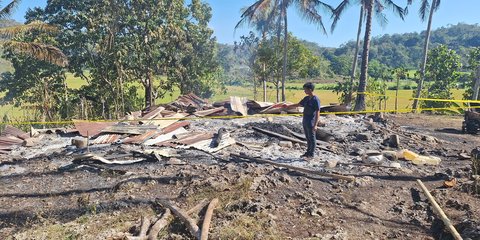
x: 406, y: 110
x: 445, y: 100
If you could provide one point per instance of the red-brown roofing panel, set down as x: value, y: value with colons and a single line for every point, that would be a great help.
x: 141, y: 138
x: 91, y: 128
x: 175, y: 126
x: 13, y: 131
x: 153, y: 113
x: 106, y: 138
x: 194, y: 138
x: 208, y: 112
x: 10, y: 140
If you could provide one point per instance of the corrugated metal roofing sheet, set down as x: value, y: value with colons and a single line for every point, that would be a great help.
x: 106, y: 138
x: 91, y: 128
x: 175, y: 126
x: 13, y: 131
x: 10, y: 140
x: 141, y: 138
x: 194, y: 138
x: 207, y: 112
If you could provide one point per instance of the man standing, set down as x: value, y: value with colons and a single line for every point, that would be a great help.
x: 311, y: 115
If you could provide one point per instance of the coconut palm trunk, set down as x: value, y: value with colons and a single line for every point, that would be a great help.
x: 476, y: 87
x: 425, y: 56
x: 355, y: 58
x: 362, y: 86
x: 285, y: 49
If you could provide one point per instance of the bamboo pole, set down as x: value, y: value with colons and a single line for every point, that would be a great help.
x: 440, y: 212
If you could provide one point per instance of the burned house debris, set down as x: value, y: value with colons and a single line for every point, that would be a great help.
x: 192, y: 170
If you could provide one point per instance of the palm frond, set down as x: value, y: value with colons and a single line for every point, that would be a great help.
x: 308, y: 10
x: 436, y: 6
x: 39, y: 51
x: 8, y: 10
x: 380, y: 16
x: 396, y: 9
x: 10, y: 32
x: 424, y: 9
x: 338, y: 11
x: 249, y: 12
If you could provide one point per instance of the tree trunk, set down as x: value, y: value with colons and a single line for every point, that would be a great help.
x: 396, y: 95
x: 285, y: 45
x: 264, y: 68
x: 477, y: 85
x: 362, y: 86
x: 349, y: 97
x: 254, y: 87
x: 148, y: 91
x: 264, y: 84
x: 425, y: 56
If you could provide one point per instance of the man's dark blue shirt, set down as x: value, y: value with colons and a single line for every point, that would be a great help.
x: 310, y: 106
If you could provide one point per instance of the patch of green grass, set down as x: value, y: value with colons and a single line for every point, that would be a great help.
x: 247, y: 227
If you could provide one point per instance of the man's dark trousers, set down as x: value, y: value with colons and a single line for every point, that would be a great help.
x: 310, y: 135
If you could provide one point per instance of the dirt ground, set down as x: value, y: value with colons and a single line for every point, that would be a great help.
x: 46, y: 196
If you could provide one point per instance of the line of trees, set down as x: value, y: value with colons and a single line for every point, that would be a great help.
x: 265, y: 15
x: 116, y: 46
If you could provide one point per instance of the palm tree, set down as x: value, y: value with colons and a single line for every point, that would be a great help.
x: 261, y: 21
x: 339, y: 9
x: 370, y: 6
x: 423, y: 11
x: 277, y: 16
x: 39, y: 51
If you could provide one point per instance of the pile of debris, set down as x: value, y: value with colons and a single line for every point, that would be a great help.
x: 174, y: 140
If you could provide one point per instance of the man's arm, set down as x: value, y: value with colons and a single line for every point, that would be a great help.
x: 292, y: 105
x: 317, y: 118
x: 301, y: 103
x: 317, y: 114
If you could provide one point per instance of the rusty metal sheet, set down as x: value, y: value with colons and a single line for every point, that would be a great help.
x: 153, y: 113
x: 86, y: 128
x: 167, y: 121
x: 175, y: 126
x: 258, y: 105
x: 13, y: 131
x: 129, y: 129
x: 189, y: 101
x: 6, y: 147
x: 164, y: 137
x: 141, y: 138
x: 208, y: 112
x: 106, y: 138
x: 194, y: 138
x: 168, y: 143
x: 239, y: 105
x: 10, y: 140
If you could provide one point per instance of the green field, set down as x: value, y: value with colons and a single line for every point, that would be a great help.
x: 293, y: 92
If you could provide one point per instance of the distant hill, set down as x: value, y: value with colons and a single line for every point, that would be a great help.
x: 406, y: 49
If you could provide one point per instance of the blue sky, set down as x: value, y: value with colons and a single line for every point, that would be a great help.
x: 226, y: 14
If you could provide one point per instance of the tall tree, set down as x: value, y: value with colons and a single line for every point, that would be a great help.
x: 370, y: 6
x: 277, y: 16
x: 261, y: 21
x: 425, y: 9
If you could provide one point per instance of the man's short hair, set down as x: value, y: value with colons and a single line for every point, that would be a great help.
x: 309, y: 85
